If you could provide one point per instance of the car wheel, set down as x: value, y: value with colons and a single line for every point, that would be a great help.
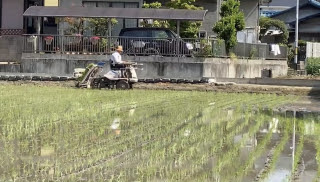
x: 122, y: 85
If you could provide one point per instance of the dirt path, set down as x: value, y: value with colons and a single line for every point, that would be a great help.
x: 309, y: 101
x: 243, y: 88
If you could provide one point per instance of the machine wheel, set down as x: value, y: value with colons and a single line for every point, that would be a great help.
x: 122, y: 85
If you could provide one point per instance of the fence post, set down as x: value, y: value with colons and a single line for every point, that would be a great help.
x: 38, y: 33
x: 109, y: 36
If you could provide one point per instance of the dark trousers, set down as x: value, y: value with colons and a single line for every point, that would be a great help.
x: 117, y: 66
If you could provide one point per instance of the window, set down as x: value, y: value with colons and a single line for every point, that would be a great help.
x: 51, y: 3
x: 136, y: 33
x: 161, y: 34
x: 122, y: 23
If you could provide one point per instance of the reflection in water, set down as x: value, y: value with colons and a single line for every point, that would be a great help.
x: 309, y: 128
x: 187, y: 133
x: 115, y: 124
x: 272, y: 126
x: 230, y: 114
x: 132, y: 109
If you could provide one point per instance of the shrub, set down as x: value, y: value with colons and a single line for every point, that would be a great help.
x: 265, y: 23
x: 232, y: 21
x: 313, y: 66
x: 205, y: 49
x: 253, y: 53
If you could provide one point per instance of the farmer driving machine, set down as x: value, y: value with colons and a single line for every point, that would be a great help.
x: 102, y: 76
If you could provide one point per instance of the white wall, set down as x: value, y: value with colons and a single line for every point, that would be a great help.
x: 12, y: 11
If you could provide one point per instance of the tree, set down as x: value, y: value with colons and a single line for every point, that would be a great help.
x: 232, y: 21
x: 155, y: 23
x: 265, y: 23
x: 75, y: 25
x: 187, y: 29
x: 99, y: 26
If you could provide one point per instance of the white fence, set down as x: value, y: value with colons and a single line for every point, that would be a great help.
x: 313, y: 50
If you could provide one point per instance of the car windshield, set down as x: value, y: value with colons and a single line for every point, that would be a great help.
x: 162, y: 34
x: 136, y: 33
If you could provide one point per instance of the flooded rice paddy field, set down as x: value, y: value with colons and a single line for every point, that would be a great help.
x: 64, y: 134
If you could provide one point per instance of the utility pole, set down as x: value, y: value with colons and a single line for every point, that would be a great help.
x: 297, y: 34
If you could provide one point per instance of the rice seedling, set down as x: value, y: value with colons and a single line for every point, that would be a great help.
x: 64, y: 134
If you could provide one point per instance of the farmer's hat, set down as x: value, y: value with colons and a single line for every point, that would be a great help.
x: 119, y: 49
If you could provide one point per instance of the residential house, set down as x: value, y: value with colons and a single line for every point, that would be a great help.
x: 272, y: 7
x: 122, y: 23
x: 249, y: 7
x: 309, y: 18
x: 13, y: 24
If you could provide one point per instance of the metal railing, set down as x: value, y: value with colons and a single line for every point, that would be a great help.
x: 134, y: 46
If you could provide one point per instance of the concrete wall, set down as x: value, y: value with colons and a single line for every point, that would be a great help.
x: 10, y: 48
x: 12, y: 11
x: 157, y: 67
x: 242, y: 68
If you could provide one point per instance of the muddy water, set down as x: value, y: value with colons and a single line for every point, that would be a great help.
x: 308, y: 167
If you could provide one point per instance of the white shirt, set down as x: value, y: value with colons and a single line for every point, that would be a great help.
x: 116, y: 58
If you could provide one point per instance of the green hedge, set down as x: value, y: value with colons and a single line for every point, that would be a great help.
x: 313, y: 66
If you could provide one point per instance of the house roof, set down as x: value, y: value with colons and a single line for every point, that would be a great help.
x: 308, y: 10
x: 303, y: 4
x: 129, y: 13
x: 286, y: 3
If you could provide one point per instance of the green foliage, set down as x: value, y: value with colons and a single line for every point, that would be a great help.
x: 86, y: 71
x: 266, y: 23
x: 253, y: 53
x: 188, y: 29
x: 99, y: 26
x: 76, y: 25
x: 313, y: 66
x: 155, y: 23
x: 205, y: 49
x: 155, y: 5
x: 290, y: 54
x: 232, y: 21
x: 233, y: 56
x: 302, y: 43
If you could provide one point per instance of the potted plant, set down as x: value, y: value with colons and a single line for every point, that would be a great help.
x: 94, y: 40
x: 49, y: 40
